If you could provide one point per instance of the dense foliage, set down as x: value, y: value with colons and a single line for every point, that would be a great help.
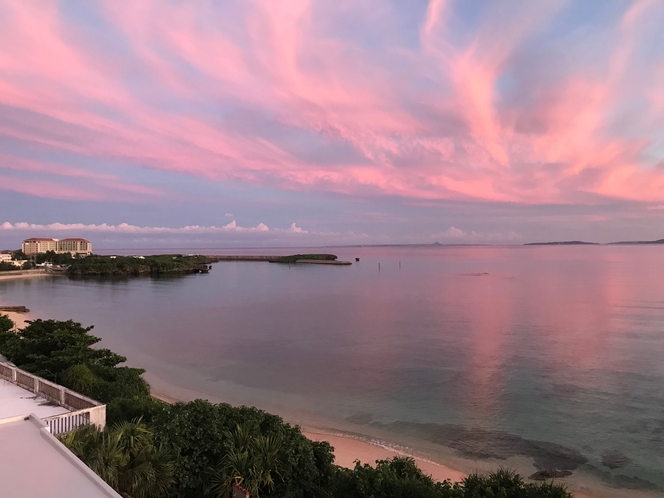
x: 294, y: 257
x: 5, y: 266
x: 200, y: 435
x: 6, y: 324
x: 61, y: 351
x: 125, y: 456
x: 54, y: 257
x: 200, y: 449
x: 130, y: 265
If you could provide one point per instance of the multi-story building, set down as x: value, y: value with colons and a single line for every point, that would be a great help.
x: 36, y: 245
x: 6, y: 257
x: 73, y: 246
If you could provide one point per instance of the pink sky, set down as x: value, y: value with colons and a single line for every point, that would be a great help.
x: 385, y: 121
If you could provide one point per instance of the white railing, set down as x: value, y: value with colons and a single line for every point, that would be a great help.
x: 85, y: 411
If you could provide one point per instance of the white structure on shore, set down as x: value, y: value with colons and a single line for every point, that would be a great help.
x: 6, y: 257
x: 33, y: 462
x: 74, y: 246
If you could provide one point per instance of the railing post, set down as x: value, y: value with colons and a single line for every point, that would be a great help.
x: 14, y: 375
x: 36, y: 384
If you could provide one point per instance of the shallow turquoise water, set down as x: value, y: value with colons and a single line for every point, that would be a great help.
x: 484, y: 349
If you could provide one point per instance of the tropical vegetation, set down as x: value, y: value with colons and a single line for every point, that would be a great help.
x: 131, y: 265
x: 201, y: 449
x: 295, y: 257
x: 126, y: 457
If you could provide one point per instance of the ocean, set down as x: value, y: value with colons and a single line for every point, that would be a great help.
x: 536, y: 357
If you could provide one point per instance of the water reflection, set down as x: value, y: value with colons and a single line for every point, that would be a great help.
x: 555, y: 344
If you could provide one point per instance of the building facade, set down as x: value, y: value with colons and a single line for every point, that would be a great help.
x: 73, y: 246
x: 7, y: 258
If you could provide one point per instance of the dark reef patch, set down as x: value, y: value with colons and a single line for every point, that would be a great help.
x: 628, y: 482
x: 483, y: 444
x: 542, y: 475
x: 614, y: 459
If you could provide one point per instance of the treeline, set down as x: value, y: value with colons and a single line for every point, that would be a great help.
x: 196, y: 449
x: 130, y: 265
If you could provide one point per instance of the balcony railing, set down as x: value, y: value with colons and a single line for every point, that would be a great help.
x: 85, y: 411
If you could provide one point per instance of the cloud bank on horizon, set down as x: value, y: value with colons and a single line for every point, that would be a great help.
x: 398, y: 121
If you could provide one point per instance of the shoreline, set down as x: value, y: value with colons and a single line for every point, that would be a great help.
x: 351, y: 446
x: 11, y: 275
x: 348, y: 449
x: 19, y: 319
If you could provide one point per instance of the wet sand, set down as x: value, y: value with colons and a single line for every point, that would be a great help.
x: 347, y: 450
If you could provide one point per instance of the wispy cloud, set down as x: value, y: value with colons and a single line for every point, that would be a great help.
x: 134, y: 229
x: 532, y: 103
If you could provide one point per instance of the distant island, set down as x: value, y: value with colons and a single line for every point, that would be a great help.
x: 660, y: 241
x: 583, y: 243
x: 563, y: 243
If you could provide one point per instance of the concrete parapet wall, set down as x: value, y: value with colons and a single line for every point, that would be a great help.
x: 95, y: 412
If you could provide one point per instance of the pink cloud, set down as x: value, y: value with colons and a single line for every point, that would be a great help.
x: 455, y: 136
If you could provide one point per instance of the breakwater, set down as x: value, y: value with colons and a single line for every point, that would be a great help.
x: 310, y: 259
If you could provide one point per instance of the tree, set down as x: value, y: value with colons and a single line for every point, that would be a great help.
x: 199, y: 434
x: 126, y: 457
x: 251, y: 460
x: 396, y: 478
x: 509, y: 484
x: 63, y: 352
x: 48, y: 348
x: 6, y: 323
x: 19, y: 256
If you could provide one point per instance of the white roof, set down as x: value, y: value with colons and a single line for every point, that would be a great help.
x: 33, y: 463
x: 15, y: 400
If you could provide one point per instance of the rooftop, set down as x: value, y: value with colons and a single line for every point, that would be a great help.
x: 34, y: 463
x: 40, y: 239
x: 15, y: 400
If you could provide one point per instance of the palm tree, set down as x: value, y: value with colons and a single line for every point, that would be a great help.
x: 125, y: 457
x: 251, y: 461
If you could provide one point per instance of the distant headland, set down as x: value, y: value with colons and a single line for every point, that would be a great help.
x: 583, y: 243
x: 563, y: 243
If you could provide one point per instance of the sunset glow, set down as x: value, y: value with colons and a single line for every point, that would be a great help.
x: 380, y: 121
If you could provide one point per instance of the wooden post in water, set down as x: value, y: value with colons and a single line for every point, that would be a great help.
x: 378, y: 266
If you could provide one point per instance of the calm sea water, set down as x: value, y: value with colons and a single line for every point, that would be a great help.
x: 554, y: 354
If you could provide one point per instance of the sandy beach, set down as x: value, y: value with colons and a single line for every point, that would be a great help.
x: 347, y: 450
x: 19, y: 319
x: 12, y: 275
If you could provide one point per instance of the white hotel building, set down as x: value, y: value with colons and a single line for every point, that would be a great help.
x: 74, y: 246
